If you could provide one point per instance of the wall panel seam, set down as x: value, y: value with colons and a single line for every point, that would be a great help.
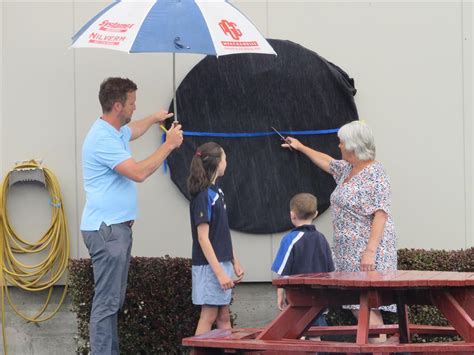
x: 76, y: 162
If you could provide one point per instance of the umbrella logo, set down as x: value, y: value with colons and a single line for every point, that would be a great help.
x: 230, y: 28
x: 114, y: 26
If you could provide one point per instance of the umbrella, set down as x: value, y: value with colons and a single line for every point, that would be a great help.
x: 212, y: 27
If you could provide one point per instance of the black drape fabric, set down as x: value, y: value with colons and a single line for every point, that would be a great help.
x: 297, y: 90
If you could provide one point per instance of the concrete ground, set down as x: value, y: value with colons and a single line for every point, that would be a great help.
x: 53, y: 337
x: 254, y: 305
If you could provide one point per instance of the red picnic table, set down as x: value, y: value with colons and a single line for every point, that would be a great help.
x: 309, y: 294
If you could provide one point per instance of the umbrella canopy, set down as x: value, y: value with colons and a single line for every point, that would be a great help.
x: 212, y: 27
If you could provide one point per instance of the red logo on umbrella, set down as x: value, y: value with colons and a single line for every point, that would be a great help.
x: 230, y: 28
x: 114, y: 26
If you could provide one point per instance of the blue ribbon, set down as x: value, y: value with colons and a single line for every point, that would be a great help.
x: 259, y: 134
x: 248, y: 135
x: 165, y: 163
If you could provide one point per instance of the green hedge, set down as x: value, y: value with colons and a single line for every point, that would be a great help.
x: 434, y: 260
x: 158, y: 311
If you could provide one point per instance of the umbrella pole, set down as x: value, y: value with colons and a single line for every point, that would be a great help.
x: 174, y: 88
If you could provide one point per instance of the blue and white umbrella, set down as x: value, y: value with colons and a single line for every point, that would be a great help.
x: 213, y: 27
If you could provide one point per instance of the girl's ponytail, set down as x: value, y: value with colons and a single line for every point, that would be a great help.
x: 203, y: 167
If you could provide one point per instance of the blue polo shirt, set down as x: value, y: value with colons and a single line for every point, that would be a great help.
x: 209, y: 207
x: 304, y: 250
x: 110, y: 197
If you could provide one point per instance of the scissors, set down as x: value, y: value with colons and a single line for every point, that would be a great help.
x: 175, y: 123
x: 283, y: 138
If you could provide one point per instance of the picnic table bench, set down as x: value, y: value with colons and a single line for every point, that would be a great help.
x: 309, y: 294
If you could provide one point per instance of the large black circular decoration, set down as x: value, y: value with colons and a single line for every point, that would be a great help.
x: 296, y: 91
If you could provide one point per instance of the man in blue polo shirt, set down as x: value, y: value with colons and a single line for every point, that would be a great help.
x: 110, y: 174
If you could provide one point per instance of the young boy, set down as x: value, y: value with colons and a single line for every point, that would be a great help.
x: 304, y: 250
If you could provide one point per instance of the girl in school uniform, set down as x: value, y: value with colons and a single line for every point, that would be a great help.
x: 213, y: 259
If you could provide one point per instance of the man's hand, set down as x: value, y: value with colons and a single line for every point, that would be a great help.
x: 139, y: 127
x: 161, y: 116
x: 174, y: 136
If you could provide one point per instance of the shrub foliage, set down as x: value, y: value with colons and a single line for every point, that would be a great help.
x: 433, y: 260
x: 158, y: 311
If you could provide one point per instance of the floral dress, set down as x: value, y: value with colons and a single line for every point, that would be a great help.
x: 353, y: 204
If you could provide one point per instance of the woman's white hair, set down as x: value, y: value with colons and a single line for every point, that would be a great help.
x: 358, y: 138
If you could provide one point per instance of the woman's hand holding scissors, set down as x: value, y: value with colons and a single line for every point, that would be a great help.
x: 291, y: 142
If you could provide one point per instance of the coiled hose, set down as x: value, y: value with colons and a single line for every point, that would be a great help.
x: 54, y: 243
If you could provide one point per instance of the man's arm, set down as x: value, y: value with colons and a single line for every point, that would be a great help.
x: 139, y: 171
x: 139, y: 127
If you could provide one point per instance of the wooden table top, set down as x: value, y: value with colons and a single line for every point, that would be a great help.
x: 400, y: 278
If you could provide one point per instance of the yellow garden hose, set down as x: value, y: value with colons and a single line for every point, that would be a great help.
x: 54, y: 243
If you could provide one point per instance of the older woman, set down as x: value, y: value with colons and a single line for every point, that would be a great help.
x: 364, y: 233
